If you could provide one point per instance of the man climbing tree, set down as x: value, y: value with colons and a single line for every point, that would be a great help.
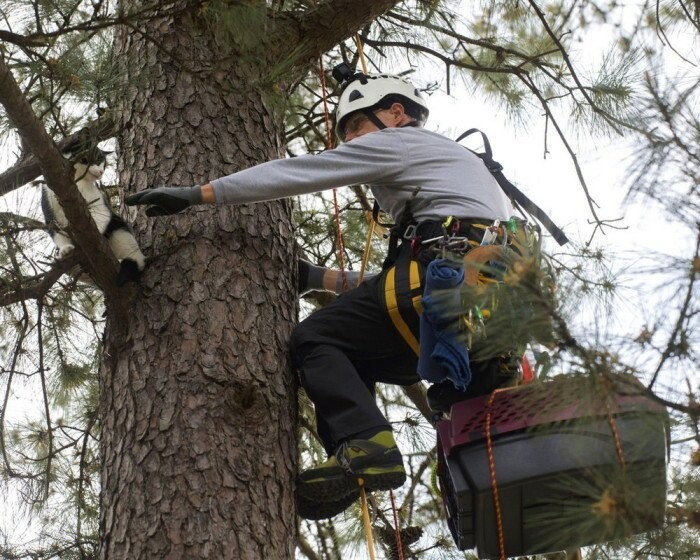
x: 184, y: 444
x: 369, y: 335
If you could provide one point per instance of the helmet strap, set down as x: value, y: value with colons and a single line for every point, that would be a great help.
x: 374, y: 118
x: 371, y: 115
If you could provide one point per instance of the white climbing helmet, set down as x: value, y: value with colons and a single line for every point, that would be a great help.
x: 364, y: 92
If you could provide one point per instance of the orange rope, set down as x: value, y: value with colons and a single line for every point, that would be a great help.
x: 616, y: 435
x: 368, y: 248
x: 326, y: 110
x: 336, y: 207
x: 492, y: 464
x: 607, y: 387
x: 494, y: 483
x: 361, y: 52
x: 399, y: 544
x: 372, y: 223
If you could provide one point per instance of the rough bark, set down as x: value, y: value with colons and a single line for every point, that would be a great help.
x: 197, y: 405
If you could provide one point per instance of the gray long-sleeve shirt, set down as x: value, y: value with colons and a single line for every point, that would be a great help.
x: 438, y: 175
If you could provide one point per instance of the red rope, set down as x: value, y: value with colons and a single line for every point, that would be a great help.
x: 616, y: 437
x: 397, y: 526
x: 494, y: 482
x: 336, y: 207
x: 607, y: 387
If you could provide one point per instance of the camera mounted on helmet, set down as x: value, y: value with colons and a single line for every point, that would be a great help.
x: 343, y: 73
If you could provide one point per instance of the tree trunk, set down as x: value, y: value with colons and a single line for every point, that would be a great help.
x: 198, y: 405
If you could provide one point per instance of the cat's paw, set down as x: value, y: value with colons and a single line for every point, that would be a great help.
x: 129, y: 271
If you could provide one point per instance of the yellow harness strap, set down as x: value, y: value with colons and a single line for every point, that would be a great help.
x: 402, y: 300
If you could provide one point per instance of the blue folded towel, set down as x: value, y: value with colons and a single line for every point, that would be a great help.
x: 443, y: 353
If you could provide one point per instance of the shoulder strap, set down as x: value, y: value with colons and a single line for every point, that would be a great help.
x: 512, y: 192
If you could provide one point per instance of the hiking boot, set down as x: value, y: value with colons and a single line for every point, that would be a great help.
x: 315, y: 510
x: 376, y: 463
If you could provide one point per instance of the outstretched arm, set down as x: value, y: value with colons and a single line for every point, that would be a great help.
x: 371, y: 158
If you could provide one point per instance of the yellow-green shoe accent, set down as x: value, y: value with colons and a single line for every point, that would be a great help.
x: 376, y: 463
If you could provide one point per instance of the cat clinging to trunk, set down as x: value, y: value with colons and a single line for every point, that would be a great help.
x: 89, y: 165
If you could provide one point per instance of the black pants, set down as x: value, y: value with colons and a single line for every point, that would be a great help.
x: 369, y: 335
x: 342, y: 350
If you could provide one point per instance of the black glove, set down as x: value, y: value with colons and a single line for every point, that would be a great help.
x: 309, y: 277
x: 162, y: 201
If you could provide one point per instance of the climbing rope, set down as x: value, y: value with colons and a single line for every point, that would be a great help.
x: 616, y: 436
x: 336, y: 207
x: 361, y: 52
x: 397, y: 527
x: 492, y: 462
x: 494, y: 483
x: 368, y: 247
x: 607, y: 387
x: 372, y: 223
x: 366, y: 520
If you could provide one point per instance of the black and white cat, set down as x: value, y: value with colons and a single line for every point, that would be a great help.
x: 89, y: 167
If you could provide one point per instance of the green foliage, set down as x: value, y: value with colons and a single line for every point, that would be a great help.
x: 238, y: 27
x: 71, y: 75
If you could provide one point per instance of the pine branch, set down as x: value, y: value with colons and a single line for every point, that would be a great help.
x: 97, y: 22
x: 25, y: 41
x: 38, y: 286
x: 614, y: 122
x: 418, y: 396
x: 47, y: 406
x: 22, y: 331
x: 672, y: 344
x: 28, y: 168
x: 592, y: 204
x: 100, y: 261
x: 463, y: 39
x: 447, y: 60
x: 300, y: 40
x: 14, y: 222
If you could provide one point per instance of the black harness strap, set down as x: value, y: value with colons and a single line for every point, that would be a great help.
x: 512, y: 192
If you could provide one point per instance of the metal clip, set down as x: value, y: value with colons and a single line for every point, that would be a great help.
x: 491, y: 233
x: 410, y: 232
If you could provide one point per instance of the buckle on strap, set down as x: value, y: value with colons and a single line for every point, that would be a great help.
x: 410, y: 232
